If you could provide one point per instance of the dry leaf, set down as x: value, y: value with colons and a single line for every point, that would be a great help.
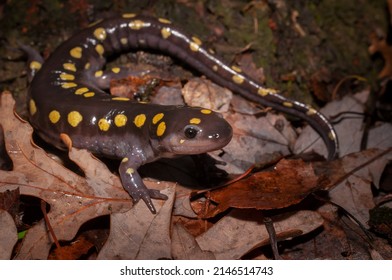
x: 137, y: 234
x: 74, y: 251
x: 292, y: 180
x: 354, y: 193
x: 8, y: 235
x: 250, y: 145
x: 289, y: 183
x: 200, y: 92
x: 349, y: 130
x: 9, y: 200
x: 185, y: 247
x: 242, y: 231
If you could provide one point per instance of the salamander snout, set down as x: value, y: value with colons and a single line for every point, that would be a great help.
x: 196, y: 131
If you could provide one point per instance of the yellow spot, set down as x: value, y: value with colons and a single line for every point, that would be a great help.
x: 103, y: 124
x: 311, y: 111
x: 163, y: 20
x: 69, y: 85
x: 161, y: 128
x: 128, y: 15
x: 120, y: 98
x: 205, y: 111
x: 89, y: 94
x: 331, y: 135
x: 99, y: 49
x: 76, y: 52
x: 235, y: 68
x: 54, y: 116
x: 125, y: 159
x: 100, y: 33
x: 211, y: 51
x: 67, y: 77
x: 287, y: 104
x: 195, y: 121
x: 120, y: 120
x: 116, y: 70
x: 124, y: 41
x: 98, y: 74
x: 87, y: 66
x: 32, y: 107
x: 70, y: 67
x: 74, y: 118
x: 35, y: 65
x: 139, y: 120
x: 130, y: 171
x: 195, y: 44
x: 157, y: 118
x: 215, y: 68
x: 137, y: 24
x: 182, y: 141
x: 82, y: 90
x: 196, y: 40
x: 263, y: 91
x: 238, y: 79
x: 166, y: 32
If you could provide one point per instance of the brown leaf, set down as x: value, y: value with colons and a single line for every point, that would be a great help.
x: 73, y: 199
x: 250, y: 145
x: 292, y: 180
x: 200, y: 92
x: 185, y: 247
x: 242, y: 231
x: 138, y: 234
x: 9, y: 200
x: 289, y: 183
x: 8, y: 235
x: 352, y: 178
x: 74, y: 251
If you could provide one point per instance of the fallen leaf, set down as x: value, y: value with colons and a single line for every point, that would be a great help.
x: 138, y: 234
x: 242, y: 231
x: 8, y: 235
x: 292, y: 180
x: 200, y: 92
x: 354, y: 192
x: 74, y: 251
x: 250, y: 145
x: 185, y: 247
x: 289, y: 183
x: 349, y: 130
x: 9, y: 201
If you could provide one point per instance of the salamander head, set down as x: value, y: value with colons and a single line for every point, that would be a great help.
x: 189, y: 130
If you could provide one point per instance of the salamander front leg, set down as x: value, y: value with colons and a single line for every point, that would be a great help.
x: 133, y: 184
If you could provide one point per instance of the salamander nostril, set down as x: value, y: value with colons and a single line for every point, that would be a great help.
x: 214, y: 136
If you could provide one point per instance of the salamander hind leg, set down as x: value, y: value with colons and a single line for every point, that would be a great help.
x: 133, y: 184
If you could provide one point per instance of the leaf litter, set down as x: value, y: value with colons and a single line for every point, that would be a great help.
x: 136, y: 234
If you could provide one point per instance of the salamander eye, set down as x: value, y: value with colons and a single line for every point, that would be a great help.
x: 191, y: 131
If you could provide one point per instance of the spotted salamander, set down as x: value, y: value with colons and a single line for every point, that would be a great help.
x: 67, y: 96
